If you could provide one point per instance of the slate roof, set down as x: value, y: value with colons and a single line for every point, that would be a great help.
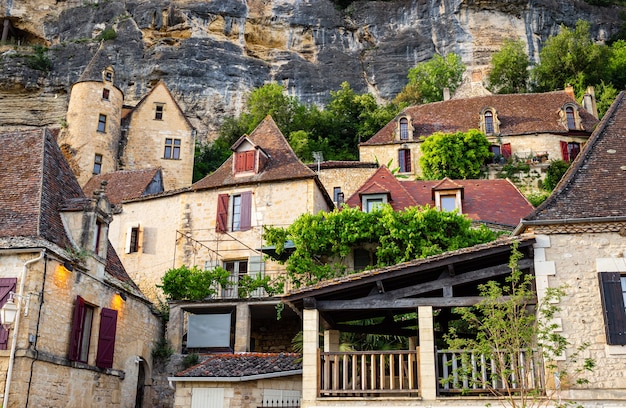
x: 518, y: 114
x: 244, y: 365
x: 122, y: 185
x: 491, y: 201
x: 342, y: 164
x: 282, y: 164
x: 36, y: 185
x: 594, y: 186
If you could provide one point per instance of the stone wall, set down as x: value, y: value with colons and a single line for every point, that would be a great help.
x: 349, y: 179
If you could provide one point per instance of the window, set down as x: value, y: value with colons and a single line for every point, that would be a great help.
x: 172, y: 149
x: 97, y: 164
x: 569, y: 150
x: 80, y: 334
x: 337, y: 195
x: 363, y: 258
x: 6, y: 285
x: 488, y: 122
x: 613, y: 295
x: 498, y: 157
x: 372, y: 202
x: 571, y: 119
x: 158, y: 112
x: 97, y: 237
x: 81, y: 331
x: 448, y: 203
x: 105, y: 94
x: 404, y: 129
x: 506, y: 150
x: 404, y: 160
x: 132, y: 244
x: 244, y: 161
x: 108, y: 76
x: 102, y: 123
x: 237, y: 269
x: 236, y: 208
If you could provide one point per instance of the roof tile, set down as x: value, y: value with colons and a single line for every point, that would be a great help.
x: 244, y: 364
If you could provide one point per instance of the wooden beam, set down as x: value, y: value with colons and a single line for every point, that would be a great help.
x: 407, y: 303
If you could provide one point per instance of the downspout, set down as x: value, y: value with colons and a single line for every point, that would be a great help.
x: 16, y: 327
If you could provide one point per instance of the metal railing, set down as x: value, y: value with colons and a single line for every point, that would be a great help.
x: 369, y: 373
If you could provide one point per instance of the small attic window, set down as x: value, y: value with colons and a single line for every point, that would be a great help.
x: 489, y: 123
x: 158, y: 111
x: 108, y: 75
x: 244, y: 161
x: 570, y: 117
x: 404, y: 129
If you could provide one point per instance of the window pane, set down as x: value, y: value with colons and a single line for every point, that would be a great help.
x: 404, y: 129
x: 448, y: 203
x: 236, y: 213
x: 488, y: 122
x: 86, y: 334
x: 176, y: 154
x: 374, y: 204
x: 571, y: 123
x: 102, y: 123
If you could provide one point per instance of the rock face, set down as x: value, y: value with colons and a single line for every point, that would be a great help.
x: 211, y: 53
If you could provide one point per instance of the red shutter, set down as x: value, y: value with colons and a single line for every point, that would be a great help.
x: 564, y: 151
x: 613, y: 307
x: 240, y: 162
x: 245, y: 223
x: 250, y: 160
x: 506, y: 150
x: 6, y: 285
x: 222, y: 213
x: 77, y: 328
x: 106, y: 338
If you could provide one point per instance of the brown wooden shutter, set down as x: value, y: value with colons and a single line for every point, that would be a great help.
x: 250, y: 160
x: 245, y: 223
x: 106, y: 338
x: 564, y: 151
x: 506, y: 150
x: 613, y: 307
x: 222, y: 213
x: 6, y: 285
x: 77, y: 328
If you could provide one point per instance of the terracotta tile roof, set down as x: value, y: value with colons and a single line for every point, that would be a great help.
x: 490, y: 201
x: 123, y: 185
x: 518, y: 114
x: 595, y: 184
x: 283, y: 164
x: 36, y: 185
x: 244, y: 365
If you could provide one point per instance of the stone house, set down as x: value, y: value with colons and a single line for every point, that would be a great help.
x: 83, y: 332
x: 532, y: 128
x: 581, y: 245
x: 219, y: 221
x: 103, y: 135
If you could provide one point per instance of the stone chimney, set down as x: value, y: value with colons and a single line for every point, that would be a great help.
x: 446, y: 93
x: 589, y: 102
x: 570, y: 91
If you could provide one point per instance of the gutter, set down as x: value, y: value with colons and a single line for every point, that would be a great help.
x: 233, y: 379
x: 523, y: 223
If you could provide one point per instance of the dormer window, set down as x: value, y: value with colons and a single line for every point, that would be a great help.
x: 570, y: 117
x: 404, y: 129
x: 448, y: 196
x: 373, y: 202
x: 248, y: 158
x: 489, y: 123
x: 107, y: 75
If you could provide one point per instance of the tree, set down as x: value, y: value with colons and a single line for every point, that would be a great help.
x: 617, y: 64
x: 510, y: 336
x: 428, y: 79
x: 554, y: 173
x: 186, y: 283
x: 570, y: 57
x: 324, y: 240
x: 454, y: 155
x: 509, y: 69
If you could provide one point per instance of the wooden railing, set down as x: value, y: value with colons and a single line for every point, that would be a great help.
x: 368, y: 373
x: 468, y: 373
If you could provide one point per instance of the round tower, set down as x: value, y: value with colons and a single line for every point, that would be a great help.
x: 91, y: 139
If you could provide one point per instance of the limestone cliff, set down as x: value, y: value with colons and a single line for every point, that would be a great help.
x: 210, y: 53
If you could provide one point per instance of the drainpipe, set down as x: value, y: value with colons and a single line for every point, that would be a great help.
x: 7, y: 386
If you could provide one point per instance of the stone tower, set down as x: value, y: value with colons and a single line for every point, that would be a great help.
x: 91, y: 140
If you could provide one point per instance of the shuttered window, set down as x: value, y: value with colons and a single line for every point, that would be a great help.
x: 569, y: 150
x: 81, y: 331
x: 612, y: 290
x: 245, y: 221
x: 240, y: 206
x: 404, y: 160
x: 506, y: 150
x: 222, y: 213
x: 6, y: 285
x: 244, y: 161
x: 106, y: 338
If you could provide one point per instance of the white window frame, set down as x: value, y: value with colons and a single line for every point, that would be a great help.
x: 367, y: 198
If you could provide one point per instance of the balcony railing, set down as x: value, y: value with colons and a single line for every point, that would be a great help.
x: 467, y: 373
x: 232, y: 290
x: 369, y: 373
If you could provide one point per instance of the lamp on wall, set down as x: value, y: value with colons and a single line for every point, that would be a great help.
x: 8, y: 312
x: 123, y: 296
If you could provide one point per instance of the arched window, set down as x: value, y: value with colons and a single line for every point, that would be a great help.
x: 404, y: 129
x: 571, y: 120
x: 404, y: 160
x: 488, y: 122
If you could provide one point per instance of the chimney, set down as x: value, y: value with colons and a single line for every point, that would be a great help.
x: 446, y: 94
x: 589, y: 102
x: 570, y: 91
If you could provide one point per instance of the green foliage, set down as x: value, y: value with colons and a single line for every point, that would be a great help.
x: 428, y: 79
x: 454, y: 155
x: 503, y: 325
x: 186, y: 283
x: 39, y: 60
x: 605, y: 95
x: 107, y: 34
x: 509, y: 69
x: 162, y: 350
x: 324, y: 240
x: 617, y: 64
x: 537, y: 198
x: 570, y: 57
x: 191, y: 360
x: 247, y: 285
x: 554, y: 173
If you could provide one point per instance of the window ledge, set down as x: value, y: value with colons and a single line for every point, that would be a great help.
x: 616, y: 351
x: 50, y: 358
